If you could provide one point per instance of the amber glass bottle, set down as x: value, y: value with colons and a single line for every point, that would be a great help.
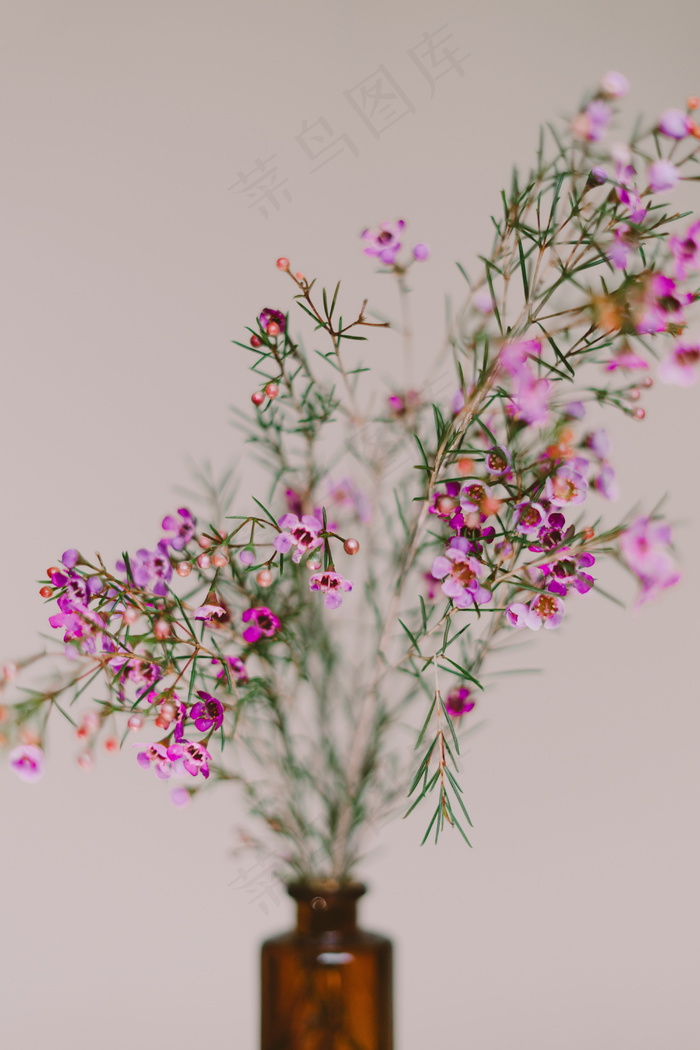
x: 327, y: 985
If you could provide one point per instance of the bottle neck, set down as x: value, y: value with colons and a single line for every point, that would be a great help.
x: 326, y: 907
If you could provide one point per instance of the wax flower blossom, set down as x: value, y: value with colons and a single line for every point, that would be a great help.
x: 674, y: 123
x: 686, y: 251
x: 270, y: 316
x: 680, y: 367
x: 147, y: 566
x: 28, y: 762
x: 263, y: 624
x: 384, y: 242
x: 566, y: 486
x: 155, y: 756
x: 183, y: 528
x: 300, y: 533
x: 663, y: 175
x: 644, y: 548
x: 193, y: 757
x: 545, y: 610
x: 208, y: 713
x: 458, y: 702
x: 461, y: 574
x: 333, y: 586
x: 235, y: 669
x: 661, y: 304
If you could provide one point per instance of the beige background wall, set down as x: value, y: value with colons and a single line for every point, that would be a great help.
x: 130, y: 262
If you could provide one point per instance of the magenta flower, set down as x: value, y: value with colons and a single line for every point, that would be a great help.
x: 686, y: 251
x: 208, y: 713
x: 460, y: 574
x: 210, y: 611
x: 498, y: 460
x: 530, y: 518
x: 82, y: 625
x: 661, y: 305
x: 300, y: 533
x: 156, y: 756
x: 28, y: 762
x: 644, y: 548
x: 263, y: 624
x: 349, y: 496
x: 598, y: 175
x: 680, y: 367
x: 606, y: 484
x: 591, y: 124
x: 513, y: 357
x: 566, y: 487
x: 619, y: 251
x: 674, y: 124
x: 550, y: 534
x: 193, y: 757
x: 236, y: 669
x: 183, y: 528
x: 568, y: 572
x: 530, y: 398
x: 421, y: 252
x: 385, y: 242
x: 614, y: 85
x: 626, y: 360
x: 333, y: 586
x: 545, y: 610
x: 268, y: 315
x: 627, y: 192
x: 147, y: 566
x: 458, y: 702
x: 663, y: 175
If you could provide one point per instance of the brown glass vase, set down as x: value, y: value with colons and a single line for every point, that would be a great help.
x: 327, y: 985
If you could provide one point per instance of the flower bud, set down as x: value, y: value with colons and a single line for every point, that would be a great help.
x: 51, y: 570
x: 264, y: 578
x: 692, y: 102
x: 445, y: 504
x: 647, y: 382
x: 111, y: 744
x: 84, y: 760
x: 273, y: 329
x: 183, y: 568
x: 282, y: 263
x: 46, y: 592
x: 313, y: 564
x: 351, y: 546
x: 465, y: 466
x: 220, y: 558
x: 204, y: 561
x: 257, y: 398
x: 161, y: 629
x: 135, y: 722
x: 638, y: 413
x: 130, y: 614
x: 588, y: 534
x: 255, y: 341
x: 634, y: 394
x: 272, y: 390
x: 204, y: 542
x: 300, y: 276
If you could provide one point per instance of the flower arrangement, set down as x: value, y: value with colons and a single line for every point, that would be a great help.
x: 405, y: 539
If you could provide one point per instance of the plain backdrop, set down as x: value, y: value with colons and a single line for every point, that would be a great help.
x: 137, y: 140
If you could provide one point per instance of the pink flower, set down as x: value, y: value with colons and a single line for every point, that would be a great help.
x: 300, y: 533
x: 566, y: 487
x: 663, y: 175
x: 686, y: 251
x: 236, y: 669
x: 530, y: 519
x: 545, y: 610
x: 263, y: 624
x: 27, y: 761
x: 680, y: 367
x: 421, y: 252
x: 269, y: 315
x: 530, y: 398
x: 627, y: 360
x: 644, y: 548
x: 209, y: 611
x: 661, y: 305
x: 513, y: 357
x: 458, y: 702
x: 619, y: 251
x: 674, y: 124
x: 461, y: 574
x: 332, y: 584
x: 193, y: 757
x: 183, y: 526
x: 156, y: 756
x: 497, y: 460
x: 384, y: 242
x: 614, y: 85
x: 590, y: 125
